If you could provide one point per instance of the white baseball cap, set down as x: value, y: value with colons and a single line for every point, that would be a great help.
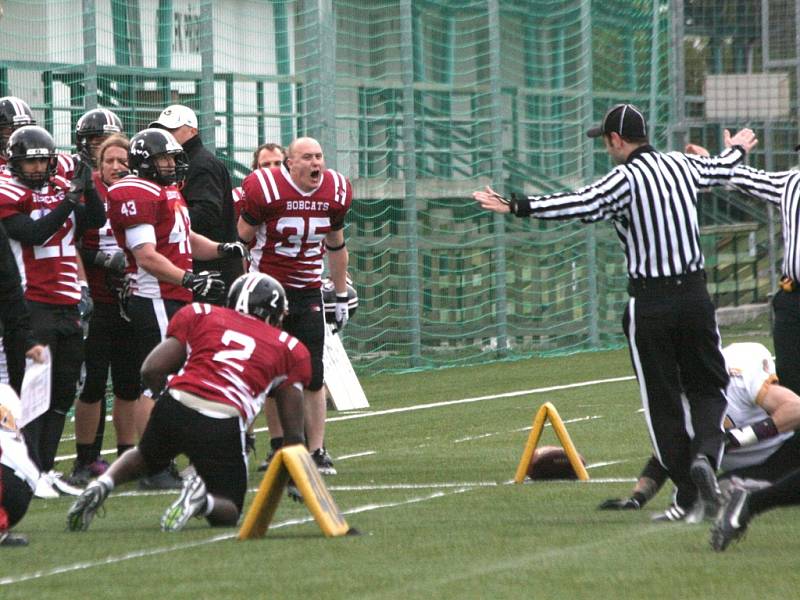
x: 175, y: 116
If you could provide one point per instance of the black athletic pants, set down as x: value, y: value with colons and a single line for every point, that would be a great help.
x: 59, y: 327
x: 675, y: 350
x: 786, y: 337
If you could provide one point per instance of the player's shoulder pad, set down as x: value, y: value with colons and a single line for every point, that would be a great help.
x: 11, y: 190
x: 342, y: 189
x: 133, y: 186
x: 59, y: 182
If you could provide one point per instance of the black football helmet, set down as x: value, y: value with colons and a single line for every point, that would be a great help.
x: 146, y: 146
x: 96, y: 122
x: 259, y: 295
x: 29, y: 142
x: 329, y: 300
x: 14, y: 113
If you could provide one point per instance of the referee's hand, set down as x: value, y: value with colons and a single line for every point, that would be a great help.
x: 491, y: 200
x: 744, y: 138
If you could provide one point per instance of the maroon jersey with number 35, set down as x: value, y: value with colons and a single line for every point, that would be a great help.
x: 235, y: 359
x: 288, y: 244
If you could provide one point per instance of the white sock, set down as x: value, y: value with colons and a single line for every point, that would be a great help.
x: 107, y: 481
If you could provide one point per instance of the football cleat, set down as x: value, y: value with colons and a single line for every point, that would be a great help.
x: 704, y: 477
x: 62, y: 486
x: 191, y: 503
x: 732, y: 522
x: 80, y: 476
x: 44, y: 488
x: 12, y: 539
x: 323, y: 461
x: 168, y: 479
x: 83, y: 510
x: 676, y: 514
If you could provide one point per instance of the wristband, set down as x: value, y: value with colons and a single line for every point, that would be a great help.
x: 520, y: 205
x: 752, y: 434
x: 330, y: 248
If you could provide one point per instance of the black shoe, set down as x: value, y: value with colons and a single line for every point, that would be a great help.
x: 168, y: 479
x: 732, y: 523
x: 323, y: 461
x: 12, y: 539
x: 264, y: 465
x: 80, y: 476
x: 705, y: 478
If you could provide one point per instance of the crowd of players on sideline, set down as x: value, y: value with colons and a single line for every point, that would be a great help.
x: 135, y: 258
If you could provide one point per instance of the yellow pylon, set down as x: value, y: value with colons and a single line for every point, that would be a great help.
x: 295, y: 462
x: 545, y: 412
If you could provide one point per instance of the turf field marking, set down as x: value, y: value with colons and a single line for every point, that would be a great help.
x: 553, y: 388
x: 80, y: 566
x: 521, y: 429
x: 356, y: 455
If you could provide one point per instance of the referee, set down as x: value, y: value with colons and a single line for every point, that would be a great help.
x: 670, y: 323
x: 782, y: 189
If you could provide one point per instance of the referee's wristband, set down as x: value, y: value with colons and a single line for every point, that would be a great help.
x: 520, y: 205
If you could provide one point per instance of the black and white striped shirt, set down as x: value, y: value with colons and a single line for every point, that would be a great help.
x: 652, y: 200
x: 781, y: 188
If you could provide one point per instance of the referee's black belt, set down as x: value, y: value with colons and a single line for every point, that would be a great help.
x: 651, y: 285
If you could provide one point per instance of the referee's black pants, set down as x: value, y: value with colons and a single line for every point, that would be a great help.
x: 786, y: 337
x: 675, y: 350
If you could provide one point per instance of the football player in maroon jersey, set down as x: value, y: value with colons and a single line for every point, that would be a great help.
x: 109, y: 342
x: 151, y: 223
x: 265, y: 156
x: 14, y: 113
x: 41, y: 213
x: 295, y: 213
x: 238, y: 354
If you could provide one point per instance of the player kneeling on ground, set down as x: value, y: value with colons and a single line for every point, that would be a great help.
x: 235, y: 361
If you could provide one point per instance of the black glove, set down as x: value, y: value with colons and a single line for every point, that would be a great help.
x: 80, y: 183
x: 234, y: 249
x: 620, y: 504
x: 85, y: 304
x: 206, y: 284
x: 250, y: 443
x: 113, y: 262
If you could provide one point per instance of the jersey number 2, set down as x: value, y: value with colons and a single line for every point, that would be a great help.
x: 246, y: 346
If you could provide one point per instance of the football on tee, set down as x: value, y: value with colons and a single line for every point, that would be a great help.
x: 551, y: 462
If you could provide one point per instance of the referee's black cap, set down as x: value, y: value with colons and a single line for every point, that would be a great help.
x: 624, y: 119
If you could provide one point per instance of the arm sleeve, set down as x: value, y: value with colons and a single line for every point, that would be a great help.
x: 343, y: 197
x: 13, y: 311
x: 763, y: 185
x: 716, y: 170
x: 32, y: 232
x: 594, y: 202
x: 204, y: 196
x: 299, y: 370
x: 91, y: 214
x: 180, y: 324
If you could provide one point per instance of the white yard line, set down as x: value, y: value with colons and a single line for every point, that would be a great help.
x: 543, y: 390
x: 81, y: 566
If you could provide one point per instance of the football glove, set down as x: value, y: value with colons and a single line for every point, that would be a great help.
x: 206, y: 284
x: 620, y: 504
x: 250, y: 443
x: 81, y: 182
x: 85, y: 304
x: 113, y: 262
x: 234, y: 249
x: 342, y: 311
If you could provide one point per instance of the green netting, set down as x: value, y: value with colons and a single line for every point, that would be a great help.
x: 421, y: 102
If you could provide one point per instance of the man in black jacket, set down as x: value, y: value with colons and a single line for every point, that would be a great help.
x: 207, y: 189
